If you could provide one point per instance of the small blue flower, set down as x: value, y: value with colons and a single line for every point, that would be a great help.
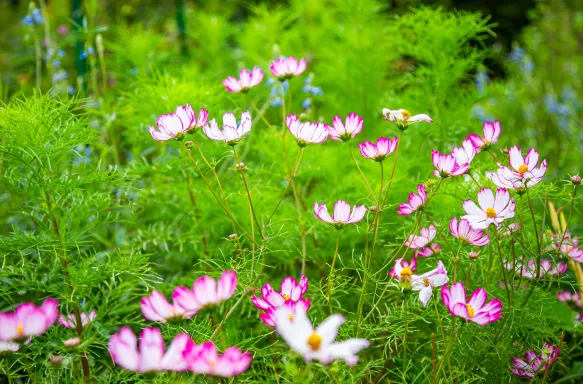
x: 28, y: 20
x: 61, y: 53
x: 56, y: 63
x: 70, y: 90
x: 481, y: 80
x: 86, y: 53
x: 60, y: 75
x: 307, y: 103
x: 276, y: 102
x: 517, y: 54
x: 34, y: 18
x: 317, y: 91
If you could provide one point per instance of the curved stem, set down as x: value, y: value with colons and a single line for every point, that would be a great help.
x: 535, y: 232
x: 248, y: 192
x: 331, y: 277
x: 502, y: 263
x: 220, y: 326
x: 362, y: 174
x: 260, y: 114
x: 394, y: 167
x: 291, y: 179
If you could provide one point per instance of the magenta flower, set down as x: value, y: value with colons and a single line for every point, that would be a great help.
x: 287, y: 67
x: 69, y: 321
x: 289, y: 293
x: 28, y: 320
x: 464, y: 232
x: 474, y: 309
x: 246, y: 81
x: 156, y: 308
x: 522, y: 172
x: 269, y: 317
x: 464, y: 154
x: 205, y: 360
x: 307, y: 133
x: 345, y: 131
x: 492, y: 210
x: 416, y: 202
x: 205, y: 291
x: 427, y: 234
x: 535, y: 364
x: 572, y: 299
x: 491, y: 134
x: 426, y: 282
x: 342, y: 215
x: 379, y: 150
x: 568, y: 250
x: 403, y: 118
x: 150, y: 357
x: 432, y: 250
x: 231, y: 133
x: 447, y: 165
x: 403, y: 270
x: 528, y: 269
x: 177, y: 124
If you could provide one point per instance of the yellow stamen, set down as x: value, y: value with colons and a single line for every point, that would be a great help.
x: 406, y: 272
x: 290, y: 316
x: 212, y: 365
x: 426, y: 282
x: 406, y: 114
x: 314, y: 341
x: 470, y: 310
x: 569, y: 249
x: 20, y: 330
x: 286, y: 296
x: 523, y: 169
x: 491, y: 213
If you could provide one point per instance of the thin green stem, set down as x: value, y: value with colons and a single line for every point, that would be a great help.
x: 241, y: 170
x: 393, y: 170
x: 496, y: 236
x: 291, y: 179
x: 8, y: 375
x: 226, y: 317
x: 38, y: 58
x: 406, y: 322
x: 535, y: 232
x: 331, y: 277
x: 260, y: 114
x: 362, y: 175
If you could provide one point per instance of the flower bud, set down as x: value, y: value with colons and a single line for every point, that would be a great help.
x: 473, y: 255
x: 373, y: 208
x: 506, y: 151
x: 188, y: 144
x: 576, y: 180
x: 70, y: 343
x: 240, y: 166
x: 56, y: 360
x: 233, y: 236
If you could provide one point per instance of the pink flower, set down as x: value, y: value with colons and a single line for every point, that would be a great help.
x: 465, y: 233
x: 378, y: 151
x: 574, y: 253
x: 416, y: 202
x: 69, y: 321
x: 151, y: 356
x: 72, y: 342
x: 447, y: 165
x: 345, y: 131
x: 28, y: 320
x: 247, y: 80
x: 403, y: 271
x: 156, y: 308
x: 288, y: 67
x: 433, y: 249
x: 205, y: 291
x: 269, y: 316
x: 491, y: 134
x: 403, y: 118
x: 289, y: 293
x: 492, y: 210
x: 8, y: 346
x: 342, y: 215
x: 427, y: 234
x: 176, y: 125
x: 528, y: 270
x: 62, y: 29
x: 464, y: 154
x: 535, y: 364
x: 205, y: 360
x: 231, y: 133
x: 426, y: 282
x: 570, y: 298
x: 522, y: 172
x: 307, y: 133
x: 474, y: 309
x: 512, y: 228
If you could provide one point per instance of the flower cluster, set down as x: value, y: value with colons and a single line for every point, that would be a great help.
x: 534, y: 364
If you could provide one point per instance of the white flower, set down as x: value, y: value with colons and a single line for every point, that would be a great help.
x: 426, y: 282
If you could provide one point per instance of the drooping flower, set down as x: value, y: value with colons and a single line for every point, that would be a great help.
x: 246, y: 81
x: 528, y: 269
x: 287, y: 67
x: 317, y: 344
x: 379, y: 150
x: 307, y: 133
x: 403, y: 118
x: 342, y: 215
x: 492, y: 210
x: 416, y: 202
x: 69, y: 321
x: 205, y: 291
x: 454, y: 299
x: 432, y: 250
x: 289, y: 293
x: 464, y: 154
x: 177, y: 124
x: 156, y: 308
x: 150, y: 357
x: 426, y: 282
x: 427, y: 234
x: 571, y: 251
x: 231, y: 133
x: 572, y: 299
x: 535, y: 364
x: 205, y: 360
x: 28, y: 320
x: 447, y: 165
x: 345, y: 131
x: 491, y: 134
x: 464, y: 232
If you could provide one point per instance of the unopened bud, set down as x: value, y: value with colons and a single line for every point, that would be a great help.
x: 189, y: 144
x: 576, y: 180
x: 506, y: 151
x: 373, y: 208
x: 473, y: 255
x: 240, y: 166
x: 70, y: 343
x: 233, y: 236
x: 56, y: 360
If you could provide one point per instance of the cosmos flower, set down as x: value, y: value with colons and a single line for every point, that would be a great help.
x: 289, y: 293
x: 432, y: 250
x: 345, y: 131
x: 287, y: 67
x: 447, y: 165
x: 403, y: 271
x: 317, y: 344
x: 205, y: 360
x: 512, y: 228
x: 570, y: 298
x: 69, y: 321
x: 528, y: 269
x: 464, y: 232
x: 522, y: 171
x: 156, y: 308
x: 342, y: 215
x: 269, y: 317
x: 246, y: 81
x: 492, y: 210
x: 535, y: 364
x: 28, y: 320
x: 464, y: 154
x: 307, y: 133
x: 205, y: 291
x: 231, y: 133
x: 8, y: 346
x: 379, y: 150
x: 403, y: 118
x: 571, y: 251
x: 454, y: 299
x: 416, y: 202
x: 491, y: 134
x: 426, y: 282
x: 177, y: 124
x: 427, y: 234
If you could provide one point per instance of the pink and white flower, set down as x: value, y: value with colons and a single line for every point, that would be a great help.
x: 379, y: 150
x: 464, y: 232
x: 151, y: 356
x: 289, y: 293
x: 69, y: 321
x: 205, y: 360
x: 246, y: 81
x: 454, y: 299
x: 403, y: 269
x: 491, y: 135
x: 534, y: 364
x: 571, y: 251
x: 9, y: 346
x: 231, y: 133
x: 28, y: 320
x: 464, y: 154
x: 403, y: 118
x: 427, y: 235
x: 573, y: 299
x: 528, y: 269
x: 345, y: 131
x: 205, y: 291
x: 269, y: 316
x: 287, y: 67
x: 342, y: 215
x: 317, y: 344
x: 492, y: 210
x: 177, y: 124
x: 156, y: 308
x: 432, y: 250
x: 307, y: 133
x: 416, y: 202
x: 522, y: 171
x: 512, y: 228
x: 426, y: 282
x: 447, y: 165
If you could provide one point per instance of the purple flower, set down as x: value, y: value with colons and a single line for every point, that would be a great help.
x: 28, y: 320
x: 528, y: 268
x: 290, y: 292
x: 533, y: 363
x: 426, y: 282
x: 205, y: 360
x: 307, y: 133
x: 69, y: 321
x: 492, y: 210
x: 447, y: 165
x: 522, y: 171
x: 205, y: 291
x: 286, y: 68
x: 156, y: 308
x: 427, y: 234
x: 403, y: 118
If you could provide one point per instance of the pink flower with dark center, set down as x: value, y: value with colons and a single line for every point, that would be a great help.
x: 403, y: 118
x: 379, y: 150
x: 571, y: 251
x: 156, y: 308
x: 151, y: 356
x: 447, y: 165
x: 28, y: 320
x: 464, y: 232
x: 246, y: 81
x: 416, y: 202
x: 427, y: 234
x: 287, y: 67
x: 432, y: 250
x: 231, y: 133
x: 307, y: 133
x: 535, y: 364
x: 69, y: 321
x: 426, y: 282
x: 475, y: 309
x: 491, y: 135
x: 347, y: 130
x: 572, y: 299
x: 205, y: 291
x: 176, y: 125
x: 205, y: 360
x: 492, y: 210
x: 342, y: 215
x: 464, y: 154
x: 528, y: 269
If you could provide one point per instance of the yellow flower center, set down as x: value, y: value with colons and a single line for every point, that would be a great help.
x: 426, y: 282
x: 290, y: 316
x: 19, y: 330
x: 491, y: 213
x: 286, y: 296
x: 470, y: 310
x: 523, y: 169
x: 212, y: 364
x: 406, y: 114
x: 569, y: 249
x: 406, y: 272
x: 314, y: 341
